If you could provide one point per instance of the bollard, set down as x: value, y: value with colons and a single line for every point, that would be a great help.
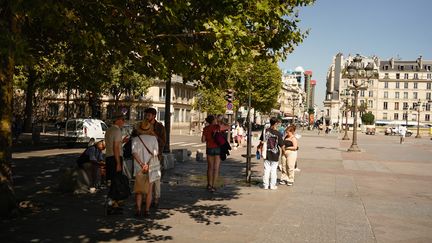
x: 199, y: 155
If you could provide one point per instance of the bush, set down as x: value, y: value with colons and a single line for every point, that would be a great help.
x: 368, y: 118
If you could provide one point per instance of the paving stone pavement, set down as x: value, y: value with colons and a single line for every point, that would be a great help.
x: 382, y: 194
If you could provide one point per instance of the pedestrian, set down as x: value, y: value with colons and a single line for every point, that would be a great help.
x: 114, y: 156
x: 90, y: 161
x: 402, y: 133
x: 213, y: 152
x: 240, y: 132
x: 289, y: 157
x: 159, y: 130
x: 144, y: 150
x: 271, y: 141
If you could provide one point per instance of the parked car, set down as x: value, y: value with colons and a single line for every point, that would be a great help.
x: 84, y: 131
x: 395, y: 131
x: 370, y: 129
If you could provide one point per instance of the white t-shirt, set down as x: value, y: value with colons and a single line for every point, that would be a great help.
x: 142, y: 153
x: 402, y: 131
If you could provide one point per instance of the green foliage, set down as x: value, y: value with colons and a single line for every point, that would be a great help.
x: 368, y: 118
x: 210, y: 100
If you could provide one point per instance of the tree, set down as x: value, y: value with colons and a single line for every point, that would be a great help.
x: 198, y: 40
x: 210, y: 101
x: 368, y: 118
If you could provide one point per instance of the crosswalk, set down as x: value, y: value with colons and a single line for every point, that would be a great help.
x: 186, y: 144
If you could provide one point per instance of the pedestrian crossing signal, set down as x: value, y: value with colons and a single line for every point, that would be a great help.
x: 229, y: 95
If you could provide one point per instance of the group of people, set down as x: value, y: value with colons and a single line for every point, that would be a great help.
x: 147, y: 140
x: 278, y: 150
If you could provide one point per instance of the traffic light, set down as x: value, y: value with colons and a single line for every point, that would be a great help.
x: 229, y: 95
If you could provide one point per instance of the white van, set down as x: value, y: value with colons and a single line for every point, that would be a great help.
x: 84, y: 131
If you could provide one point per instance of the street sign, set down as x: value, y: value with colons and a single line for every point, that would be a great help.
x: 229, y: 112
x: 229, y: 106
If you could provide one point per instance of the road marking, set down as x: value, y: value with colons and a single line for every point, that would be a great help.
x: 199, y: 145
x: 176, y: 143
x: 187, y: 144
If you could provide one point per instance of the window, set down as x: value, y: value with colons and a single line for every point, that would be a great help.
x: 428, y: 85
x: 53, y: 109
x: 405, y: 95
x: 396, y: 105
x: 428, y: 107
x: 401, y: 67
x: 188, y: 115
x: 396, y: 116
x: 405, y: 85
x: 384, y: 116
x: 386, y: 85
x: 429, y: 76
x: 428, y: 96
x: 110, y: 111
x: 362, y: 93
x: 386, y: 75
x: 397, y: 85
x: 370, y: 93
x: 370, y: 104
x: 385, y: 105
x: 385, y: 94
x: 405, y: 105
x: 427, y: 117
x: 177, y: 115
x: 428, y: 68
x: 396, y: 95
x: 415, y: 75
x: 415, y: 85
x: 161, y: 115
x: 397, y: 75
x: 140, y: 113
x: 386, y: 67
x: 415, y: 95
x: 406, y: 76
x: 404, y: 116
x: 162, y: 94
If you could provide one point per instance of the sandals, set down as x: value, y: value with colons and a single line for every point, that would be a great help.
x: 210, y: 188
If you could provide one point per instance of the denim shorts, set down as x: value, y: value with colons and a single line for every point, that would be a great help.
x: 213, y: 151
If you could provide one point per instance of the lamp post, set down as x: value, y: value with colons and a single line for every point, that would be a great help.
x: 418, y: 119
x: 357, y: 75
x: 293, y: 103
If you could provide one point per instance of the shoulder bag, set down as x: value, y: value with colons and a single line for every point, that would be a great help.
x: 154, y: 172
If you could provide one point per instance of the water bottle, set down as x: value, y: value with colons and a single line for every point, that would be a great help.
x: 258, y: 156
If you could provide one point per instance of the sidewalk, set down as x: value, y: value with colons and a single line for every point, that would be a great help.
x: 382, y: 194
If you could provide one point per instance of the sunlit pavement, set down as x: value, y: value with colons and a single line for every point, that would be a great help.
x: 382, y: 194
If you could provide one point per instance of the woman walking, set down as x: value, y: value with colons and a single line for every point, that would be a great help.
x: 213, y: 152
x: 289, y: 157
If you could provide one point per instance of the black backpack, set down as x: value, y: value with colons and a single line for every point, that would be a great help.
x: 127, y: 149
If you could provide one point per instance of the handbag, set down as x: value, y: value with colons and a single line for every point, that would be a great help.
x: 141, y: 183
x: 154, y: 171
x: 119, y: 189
x: 219, y: 138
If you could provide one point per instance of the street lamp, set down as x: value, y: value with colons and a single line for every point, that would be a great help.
x: 346, y: 97
x: 293, y: 103
x: 418, y: 107
x: 357, y: 74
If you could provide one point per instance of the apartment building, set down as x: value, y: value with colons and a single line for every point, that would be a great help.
x: 393, y: 97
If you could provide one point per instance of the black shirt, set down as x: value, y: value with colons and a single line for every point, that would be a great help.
x: 274, y: 143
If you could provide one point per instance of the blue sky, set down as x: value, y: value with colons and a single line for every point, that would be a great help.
x: 386, y: 28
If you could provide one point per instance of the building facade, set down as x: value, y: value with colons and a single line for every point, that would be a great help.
x: 292, y: 96
x: 394, y: 96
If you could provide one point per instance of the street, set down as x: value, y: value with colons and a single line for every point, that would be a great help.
x: 381, y: 194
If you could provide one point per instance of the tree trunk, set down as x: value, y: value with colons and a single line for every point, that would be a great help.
x: 7, y: 63
x: 28, y: 112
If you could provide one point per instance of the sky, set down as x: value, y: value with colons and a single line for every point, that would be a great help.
x: 385, y: 28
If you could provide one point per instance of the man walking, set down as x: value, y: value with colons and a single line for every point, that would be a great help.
x: 114, y: 154
x: 159, y: 130
x: 274, y: 143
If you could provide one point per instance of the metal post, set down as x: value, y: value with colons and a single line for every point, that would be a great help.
x: 354, y: 147
x: 167, y: 114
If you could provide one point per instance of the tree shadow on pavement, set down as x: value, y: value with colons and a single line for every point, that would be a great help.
x: 50, y: 216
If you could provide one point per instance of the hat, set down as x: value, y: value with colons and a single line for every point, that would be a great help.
x: 118, y: 115
x: 145, y: 127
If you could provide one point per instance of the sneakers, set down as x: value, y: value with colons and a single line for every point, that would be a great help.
x: 273, y: 187
x: 289, y: 183
x: 297, y: 170
x: 265, y: 187
x: 282, y: 182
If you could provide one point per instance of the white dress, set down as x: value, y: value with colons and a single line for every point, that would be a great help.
x: 142, y: 153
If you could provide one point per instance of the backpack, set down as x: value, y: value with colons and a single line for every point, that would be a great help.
x: 127, y: 149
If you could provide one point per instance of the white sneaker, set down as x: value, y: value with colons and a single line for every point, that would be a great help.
x: 265, y: 187
x: 273, y: 187
x: 297, y: 170
x: 290, y: 183
x: 282, y: 182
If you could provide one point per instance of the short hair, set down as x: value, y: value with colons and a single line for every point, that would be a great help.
x: 210, y: 118
x: 273, y: 121
x: 150, y: 110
